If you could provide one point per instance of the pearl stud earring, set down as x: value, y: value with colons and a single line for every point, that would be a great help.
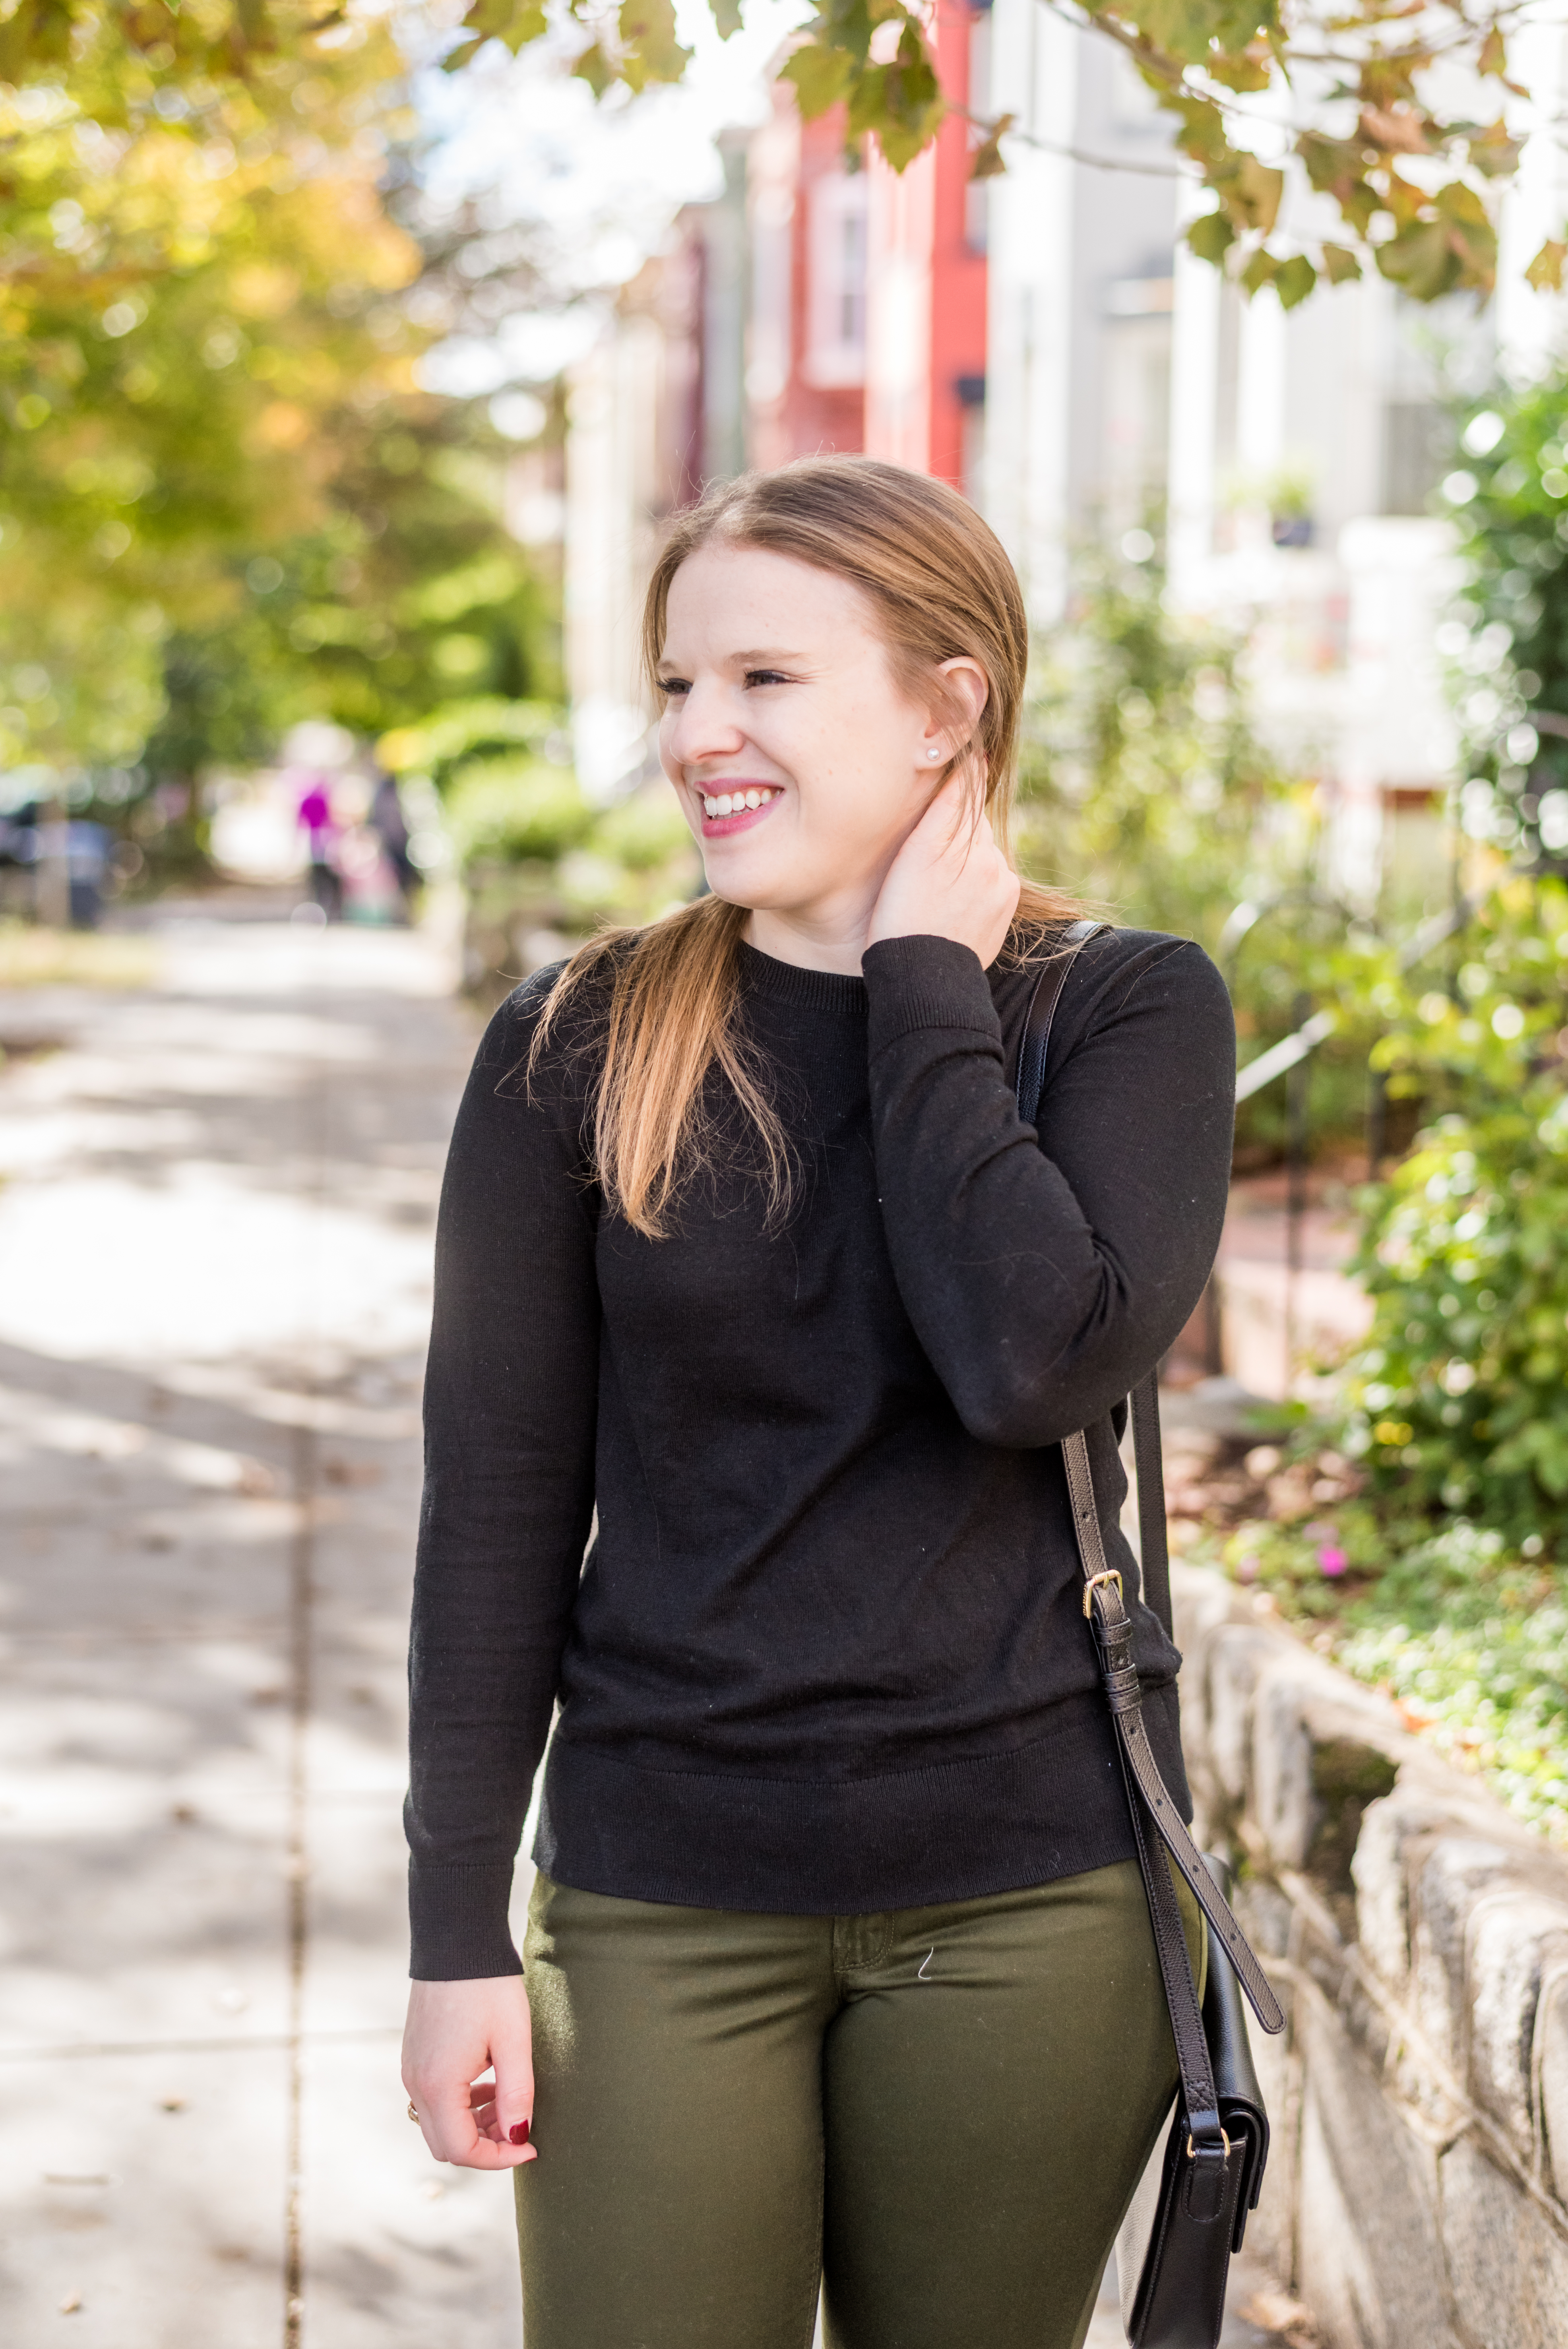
x: 933, y: 754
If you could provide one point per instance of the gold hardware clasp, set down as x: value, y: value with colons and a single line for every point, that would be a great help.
x: 1109, y: 1574
x: 1193, y: 2150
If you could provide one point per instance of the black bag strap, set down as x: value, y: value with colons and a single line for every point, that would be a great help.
x: 1154, y: 1555
x: 1034, y: 1041
x: 1156, y: 1819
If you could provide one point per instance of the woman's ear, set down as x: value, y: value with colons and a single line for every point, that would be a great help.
x: 969, y: 685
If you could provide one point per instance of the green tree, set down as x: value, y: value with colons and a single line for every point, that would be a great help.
x: 225, y: 502
x: 1395, y: 117
x: 408, y: 594
x: 197, y: 319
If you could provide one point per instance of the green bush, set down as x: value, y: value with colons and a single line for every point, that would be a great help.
x: 1466, y: 1631
x: 1508, y: 496
x: 509, y: 810
x: 1458, y: 1398
x: 1143, y: 784
x: 645, y: 831
x: 1146, y: 790
x: 1469, y: 1639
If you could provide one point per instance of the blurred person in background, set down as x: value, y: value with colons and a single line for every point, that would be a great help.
x: 85, y: 849
x: 319, y: 825
x: 391, y: 827
x: 839, y: 1968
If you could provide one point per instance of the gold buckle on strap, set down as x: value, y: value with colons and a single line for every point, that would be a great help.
x: 1193, y: 2150
x: 1107, y: 1574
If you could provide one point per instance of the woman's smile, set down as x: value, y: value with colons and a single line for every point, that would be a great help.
x: 732, y: 804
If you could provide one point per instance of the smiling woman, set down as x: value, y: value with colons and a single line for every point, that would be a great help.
x: 840, y: 647
x: 746, y: 1251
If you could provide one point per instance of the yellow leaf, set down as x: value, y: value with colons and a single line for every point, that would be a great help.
x: 1257, y: 191
x: 986, y: 163
x: 1546, y: 272
x: 820, y: 76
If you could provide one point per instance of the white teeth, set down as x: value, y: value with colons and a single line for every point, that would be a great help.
x: 736, y: 802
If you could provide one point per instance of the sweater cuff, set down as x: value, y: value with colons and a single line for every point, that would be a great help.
x: 923, y: 982
x: 458, y: 1917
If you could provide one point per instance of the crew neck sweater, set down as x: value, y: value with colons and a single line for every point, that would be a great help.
x: 772, y: 1514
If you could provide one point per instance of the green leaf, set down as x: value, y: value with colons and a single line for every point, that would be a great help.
x: 1203, y: 132
x: 1493, y: 152
x: 1196, y: 30
x: 515, y: 22
x: 650, y: 51
x: 1421, y: 260
x: 901, y: 104
x: 1339, y: 264
x: 1211, y: 236
x: 1294, y: 281
x: 1261, y: 270
x: 726, y: 16
x: 822, y: 76
x: 595, y: 68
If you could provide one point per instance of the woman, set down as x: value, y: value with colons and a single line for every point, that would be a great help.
x: 837, y: 1958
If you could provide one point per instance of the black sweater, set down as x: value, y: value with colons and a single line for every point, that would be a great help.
x: 826, y: 1653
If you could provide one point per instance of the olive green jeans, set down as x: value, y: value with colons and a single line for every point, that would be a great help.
x: 939, y: 2115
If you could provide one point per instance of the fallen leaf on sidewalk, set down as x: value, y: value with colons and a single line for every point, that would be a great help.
x: 351, y: 1472
x: 71, y: 2303
x: 1278, y: 2311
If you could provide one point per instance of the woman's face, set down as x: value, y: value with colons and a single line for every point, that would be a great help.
x: 800, y: 765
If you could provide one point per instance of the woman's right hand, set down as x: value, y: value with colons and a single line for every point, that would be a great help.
x: 457, y: 2031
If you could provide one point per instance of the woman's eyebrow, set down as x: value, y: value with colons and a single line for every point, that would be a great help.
x: 765, y: 658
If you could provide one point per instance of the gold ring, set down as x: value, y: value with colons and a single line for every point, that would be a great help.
x: 413, y: 2111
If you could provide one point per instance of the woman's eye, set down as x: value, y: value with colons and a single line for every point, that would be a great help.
x: 671, y: 686
x: 766, y: 676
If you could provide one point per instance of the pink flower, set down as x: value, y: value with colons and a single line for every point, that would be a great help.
x: 1332, y: 1562
x: 1247, y: 1568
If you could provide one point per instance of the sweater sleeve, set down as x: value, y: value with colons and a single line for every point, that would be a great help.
x: 1046, y: 1275
x: 510, y: 1409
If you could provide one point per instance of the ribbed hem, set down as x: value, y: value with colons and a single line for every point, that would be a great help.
x: 813, y: 1847
x: 914, y: 983
x: 788, y: 982
x: 459, y: 1920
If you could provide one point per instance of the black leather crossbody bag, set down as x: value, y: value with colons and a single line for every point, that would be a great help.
x: 1190, y: 2212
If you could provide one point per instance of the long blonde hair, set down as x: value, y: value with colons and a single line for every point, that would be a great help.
x: 941, y: 585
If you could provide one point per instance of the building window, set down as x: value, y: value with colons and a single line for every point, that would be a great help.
x: 971, y: 391
x: 836, y: 287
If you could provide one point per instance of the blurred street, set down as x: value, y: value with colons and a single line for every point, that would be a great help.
x: 214, y: 1262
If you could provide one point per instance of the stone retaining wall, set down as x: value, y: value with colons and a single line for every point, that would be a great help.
x: 1416, y: 2195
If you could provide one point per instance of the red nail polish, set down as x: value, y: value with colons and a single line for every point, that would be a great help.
x: 519, y: 2133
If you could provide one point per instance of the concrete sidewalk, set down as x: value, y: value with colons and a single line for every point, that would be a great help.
x: 215, y: 1220
x: 214, y: 1258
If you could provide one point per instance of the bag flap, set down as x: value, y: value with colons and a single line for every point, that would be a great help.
x: 1242, y: 2112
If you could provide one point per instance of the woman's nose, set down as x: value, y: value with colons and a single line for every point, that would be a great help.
x: 702, y: 725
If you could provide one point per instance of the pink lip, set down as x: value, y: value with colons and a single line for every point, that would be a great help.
x: 720, y: 827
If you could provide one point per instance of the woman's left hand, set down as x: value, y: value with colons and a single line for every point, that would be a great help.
x: 949, y: 880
